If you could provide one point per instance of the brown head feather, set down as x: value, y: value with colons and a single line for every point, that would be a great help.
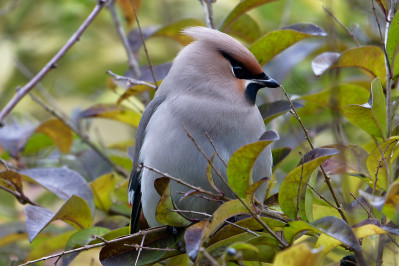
x: 227, y: 44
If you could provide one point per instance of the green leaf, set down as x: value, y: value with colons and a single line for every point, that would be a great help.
x: 393, y: 40
x: 226, y: 210
x: 250, y: 223
x: 279, y: 154
x: 102, y: 188
x: 44, y: 246
x: 250, y: 192
x: 240, y: 9
x: 164, y: 214
x: 371, y: 116
x: 338, y: 97
x: 245, y: 28
x: 112, y: 111
x: 368, y: 58
x: 378, y: 160
x: 209, y: 174
x: 239, y: 168
x: 271, y: 44
x: 81, y: 238
x: 75, y: 211
x: 295, y: 182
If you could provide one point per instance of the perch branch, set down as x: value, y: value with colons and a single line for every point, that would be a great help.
x: 52, y: 63
x: 87, y: 247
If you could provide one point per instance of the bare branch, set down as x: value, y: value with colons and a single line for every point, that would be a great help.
x: 144, y: 45
x: 87, y: 247
x: 208, y: 12
x: 140, y: 248
x: 130, y: 81
x: 342, y: 25
x: 200, y: 190
x: 132, y: 62
x: 52, y: 63
x: 214, y: 147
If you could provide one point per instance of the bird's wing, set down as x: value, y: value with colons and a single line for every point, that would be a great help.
x: 134, y: 193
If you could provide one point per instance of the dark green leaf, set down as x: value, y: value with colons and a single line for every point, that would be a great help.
x: 271, y: 44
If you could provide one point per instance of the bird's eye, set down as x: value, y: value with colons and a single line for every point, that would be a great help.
x: 239, y: 71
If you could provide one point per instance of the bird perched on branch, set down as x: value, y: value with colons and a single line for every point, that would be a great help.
x: 210, y: 89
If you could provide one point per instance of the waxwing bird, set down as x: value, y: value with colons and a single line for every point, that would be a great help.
x: 210, y: 88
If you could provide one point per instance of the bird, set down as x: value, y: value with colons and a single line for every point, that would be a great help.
x: 208, y: 93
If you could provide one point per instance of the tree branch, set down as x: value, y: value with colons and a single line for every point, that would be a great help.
x: 52, y: 63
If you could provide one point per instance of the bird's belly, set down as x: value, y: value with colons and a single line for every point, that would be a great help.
x: 172, y: 151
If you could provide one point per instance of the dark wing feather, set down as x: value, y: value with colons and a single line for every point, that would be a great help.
x: 134, y: 193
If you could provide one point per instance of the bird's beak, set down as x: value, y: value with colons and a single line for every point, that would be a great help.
x: 267, y: 82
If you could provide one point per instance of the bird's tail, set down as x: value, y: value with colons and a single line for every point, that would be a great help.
x: 134, y: 195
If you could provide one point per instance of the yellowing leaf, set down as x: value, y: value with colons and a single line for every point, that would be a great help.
x: 239, y: 168
x: 127, y: 9
x: 301, y: 254
x: 60, y: 133
x: 378, y: 160
x: 75, y: 211
x: 102, y: 188
x: 113, y: 111
x: 371, y: 116
x: 292, y: 190
x: 163, y: 213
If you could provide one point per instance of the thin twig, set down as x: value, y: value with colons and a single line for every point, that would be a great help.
x: 299, y: 191
x: 214, y: 147
x: 342, y: 25
x: 199, y: 189
x: 130, y: 81
x: 226, y: 221
x: 209, y: 257
x: 132, y: 62
x: 322, y: 197
x: 52, y: 63
x: 85, y: 139
x: 5, y: 164
x: 326, y: 177
x: 144, y: 45
x: 208, y: 12
x: 87, y: 247
x: 369, y: 214
x: 20, y: 196
x: 140, y: 248
x: 256, y: 216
